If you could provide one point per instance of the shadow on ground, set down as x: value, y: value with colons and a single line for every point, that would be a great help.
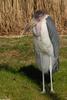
x: 33, y: 74
x: 54, y: 96
x: 6, y: 67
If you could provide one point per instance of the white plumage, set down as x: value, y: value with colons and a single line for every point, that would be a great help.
x: 43, y: 46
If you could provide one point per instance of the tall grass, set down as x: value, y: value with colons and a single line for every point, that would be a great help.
x: 14, y: 14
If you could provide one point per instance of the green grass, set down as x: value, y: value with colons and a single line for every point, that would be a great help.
x: 18, y: 78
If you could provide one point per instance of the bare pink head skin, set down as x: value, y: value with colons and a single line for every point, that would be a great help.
x: 38, y: 15
x: 36, y: 18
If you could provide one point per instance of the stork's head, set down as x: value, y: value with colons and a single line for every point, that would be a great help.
x: 36, y: 18
x: 38, y: 15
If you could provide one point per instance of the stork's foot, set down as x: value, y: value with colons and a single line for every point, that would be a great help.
x: 52, y: 91
x: 44, y: 91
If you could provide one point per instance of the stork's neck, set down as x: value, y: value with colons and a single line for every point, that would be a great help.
x: 45, y: 17
x: 37, y: 28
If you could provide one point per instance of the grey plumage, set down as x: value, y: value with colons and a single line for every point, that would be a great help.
x: 54, y: 37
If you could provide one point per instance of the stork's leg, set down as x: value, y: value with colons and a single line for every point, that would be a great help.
x: 43, y: 82
x: 51, y: 75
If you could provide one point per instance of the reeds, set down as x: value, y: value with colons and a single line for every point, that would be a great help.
x: 14, y: 14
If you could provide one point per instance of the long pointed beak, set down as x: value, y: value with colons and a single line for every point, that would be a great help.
x: 29, y: 26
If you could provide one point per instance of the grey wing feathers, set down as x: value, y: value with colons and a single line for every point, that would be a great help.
x: 53, y: 34
x: 54, y: 37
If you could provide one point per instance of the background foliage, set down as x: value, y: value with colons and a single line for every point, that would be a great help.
x: 14, y: 14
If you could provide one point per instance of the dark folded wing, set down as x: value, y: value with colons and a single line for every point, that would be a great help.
x: 53, y: 34
x: 54, y: 37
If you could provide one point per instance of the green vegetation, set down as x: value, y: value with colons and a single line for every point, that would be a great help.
x: 18, y: 78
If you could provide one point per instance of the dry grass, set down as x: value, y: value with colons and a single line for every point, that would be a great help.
x: 14, y: 14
